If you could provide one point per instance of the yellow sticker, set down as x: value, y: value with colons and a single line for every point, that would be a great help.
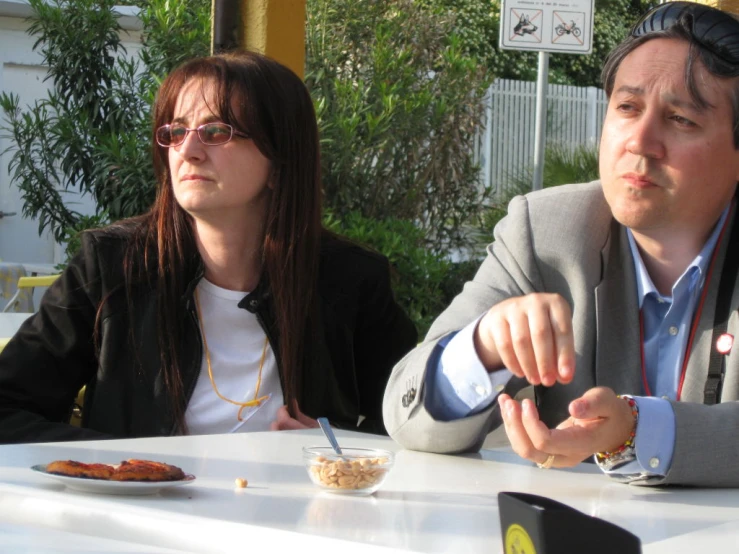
x: 517, y: 541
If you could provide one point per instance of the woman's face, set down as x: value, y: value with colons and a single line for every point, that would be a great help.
x: 216, y: 183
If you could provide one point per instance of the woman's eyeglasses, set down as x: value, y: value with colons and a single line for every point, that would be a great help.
x: 210, y: 134
x: 715, y: 30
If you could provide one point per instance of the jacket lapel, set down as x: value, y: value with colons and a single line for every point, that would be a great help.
x: 697, y: 372
x: 618, y: 357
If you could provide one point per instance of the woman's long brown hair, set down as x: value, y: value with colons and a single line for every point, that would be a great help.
x: 264, y: 99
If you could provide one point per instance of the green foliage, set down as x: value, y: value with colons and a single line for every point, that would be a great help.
x: 612, y: 21
x: 174, y: 31
x: 562, y: 164
x: 418, y: 275
x: 72, y: 234
x: 476, y: 24
x: 398, y: 104
x: 91, y: 134
x: 479, y: 25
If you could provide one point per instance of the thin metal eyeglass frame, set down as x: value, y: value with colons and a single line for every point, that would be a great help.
x: 197, y: 132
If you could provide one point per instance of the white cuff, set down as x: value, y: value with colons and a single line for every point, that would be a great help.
x: 467, y: 375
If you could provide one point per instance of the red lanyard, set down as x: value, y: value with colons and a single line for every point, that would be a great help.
x: 693, y: 328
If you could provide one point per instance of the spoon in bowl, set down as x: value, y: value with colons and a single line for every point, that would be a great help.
x: 326, y: 428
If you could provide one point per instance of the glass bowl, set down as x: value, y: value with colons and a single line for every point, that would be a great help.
x: 358, y: 471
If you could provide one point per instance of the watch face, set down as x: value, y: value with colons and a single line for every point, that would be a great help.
x: 617, y: 460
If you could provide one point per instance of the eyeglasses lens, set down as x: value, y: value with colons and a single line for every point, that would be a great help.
x: 211, y: 134
x: 214, y: 133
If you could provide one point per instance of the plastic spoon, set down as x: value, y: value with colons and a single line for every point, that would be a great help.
x: 326, y: 428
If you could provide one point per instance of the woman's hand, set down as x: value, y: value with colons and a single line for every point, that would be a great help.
x: 285, y: 422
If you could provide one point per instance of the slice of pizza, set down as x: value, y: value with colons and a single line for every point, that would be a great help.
x: 146, y: 470
x: 70, y: 468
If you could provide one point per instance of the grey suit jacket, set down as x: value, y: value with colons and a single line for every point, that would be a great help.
x: 564, y: 240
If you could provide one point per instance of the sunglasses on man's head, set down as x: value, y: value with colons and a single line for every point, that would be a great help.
x: 715, y: 30
x: 210, y: 134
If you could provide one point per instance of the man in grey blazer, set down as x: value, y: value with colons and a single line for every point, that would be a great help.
x: 615, y: 300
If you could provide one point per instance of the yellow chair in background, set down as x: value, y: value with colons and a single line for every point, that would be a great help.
x: 28, y: 284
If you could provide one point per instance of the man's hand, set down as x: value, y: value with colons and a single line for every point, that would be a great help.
x: 599, y: 422
x: 531, y: 336
x: 285, y: 422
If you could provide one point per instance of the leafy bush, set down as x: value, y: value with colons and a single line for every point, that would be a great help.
x: 478, y: 24
x: 562, y: 164
x: 398, y: 93
x: 418, y: 274
x: 398, y: 104
x: 91, y: 134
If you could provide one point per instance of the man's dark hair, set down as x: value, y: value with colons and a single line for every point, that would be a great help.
x: 713, y: 63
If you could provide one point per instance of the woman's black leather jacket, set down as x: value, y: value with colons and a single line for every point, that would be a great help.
x: 363, y: 332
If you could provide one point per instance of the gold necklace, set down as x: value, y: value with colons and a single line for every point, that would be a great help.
x: 249, y: 403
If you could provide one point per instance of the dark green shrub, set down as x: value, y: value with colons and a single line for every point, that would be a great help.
x: 91, y: 134
x: 418, y: 275
x: 399, y: 104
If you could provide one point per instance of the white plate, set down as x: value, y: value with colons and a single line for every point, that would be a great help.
x: 101, y: 486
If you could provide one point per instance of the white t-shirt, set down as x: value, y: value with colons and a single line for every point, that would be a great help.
x: 235, y: 340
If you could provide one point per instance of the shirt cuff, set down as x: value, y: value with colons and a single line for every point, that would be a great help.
x: 460, y: 384
x: 654, y: 441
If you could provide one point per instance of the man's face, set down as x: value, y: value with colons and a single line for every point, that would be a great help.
x: 668, y: 167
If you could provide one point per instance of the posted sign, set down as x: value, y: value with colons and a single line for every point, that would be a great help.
x: 547, y: 25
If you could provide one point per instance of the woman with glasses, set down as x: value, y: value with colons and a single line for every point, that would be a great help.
x: 226, y: 307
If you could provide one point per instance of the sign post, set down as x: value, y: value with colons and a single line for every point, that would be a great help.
x: 545, y: 26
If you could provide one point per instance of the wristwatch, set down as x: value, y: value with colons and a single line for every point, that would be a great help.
x: 615, y: 461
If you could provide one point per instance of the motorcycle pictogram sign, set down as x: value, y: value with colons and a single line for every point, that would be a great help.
x: 567, y: 27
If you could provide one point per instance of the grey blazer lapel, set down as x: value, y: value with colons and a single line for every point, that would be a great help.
x: 617, y: 354
x: 695, y: 376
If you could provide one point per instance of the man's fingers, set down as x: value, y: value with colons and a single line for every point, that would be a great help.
x: 597, y: 402
x: 538, y: 433
x: 530, y: 335
x: 564, y: 342
x: 521, y: 341
x: 501, y: 334
x: 514, y: 428
x: 542, y: 341
x: 531, y: 439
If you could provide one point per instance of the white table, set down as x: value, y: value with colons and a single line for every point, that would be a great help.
x: 10, y: 322
x: 429, y: 503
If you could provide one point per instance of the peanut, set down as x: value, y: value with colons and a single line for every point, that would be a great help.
x: 348, y: 475
x: 241, y: 483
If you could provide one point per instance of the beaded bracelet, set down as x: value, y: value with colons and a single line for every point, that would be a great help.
x: 629, y: 444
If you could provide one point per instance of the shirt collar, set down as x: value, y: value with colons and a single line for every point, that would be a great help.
x: 698, y: 266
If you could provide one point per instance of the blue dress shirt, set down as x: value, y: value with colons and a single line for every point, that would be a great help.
x: 458, y: 385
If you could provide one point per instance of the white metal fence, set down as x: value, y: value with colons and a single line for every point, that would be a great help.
x: 506, y: 148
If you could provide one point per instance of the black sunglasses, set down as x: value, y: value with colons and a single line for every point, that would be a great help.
x: 713, y: 29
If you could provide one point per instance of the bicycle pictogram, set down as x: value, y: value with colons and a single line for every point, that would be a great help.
x: 567, y: 27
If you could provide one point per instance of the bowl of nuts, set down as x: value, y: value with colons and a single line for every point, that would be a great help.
x: 357, y: 471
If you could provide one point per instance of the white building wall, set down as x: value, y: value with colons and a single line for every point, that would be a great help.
x: 22, y: 73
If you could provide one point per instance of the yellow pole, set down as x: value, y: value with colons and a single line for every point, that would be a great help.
x: 275, y: 28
